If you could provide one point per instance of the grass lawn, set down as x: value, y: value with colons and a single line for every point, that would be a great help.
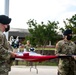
x: 45, y: 48
x: 44, y: 63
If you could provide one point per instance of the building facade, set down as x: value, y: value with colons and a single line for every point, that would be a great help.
x: 22, y: 33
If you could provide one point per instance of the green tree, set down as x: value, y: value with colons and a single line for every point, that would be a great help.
x: 43, y: 33
x: 70, y: 24
x: 72, y: 21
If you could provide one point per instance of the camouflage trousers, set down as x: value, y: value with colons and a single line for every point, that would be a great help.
x: 66, y: 67
x: 66, y: 70
x: 66, y: 73
x: 4, y: 74
x: 75, y: 69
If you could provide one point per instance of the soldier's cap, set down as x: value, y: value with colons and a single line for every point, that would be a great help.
x: 68, y: 31
x: 31, y: 49
x: 5, y: 19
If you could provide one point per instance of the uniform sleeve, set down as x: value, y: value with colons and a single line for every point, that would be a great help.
x: 75, y: 52
x: 5, y: 53
x: 25, y: 46
x: 9, y: 47
x: 58, y: 50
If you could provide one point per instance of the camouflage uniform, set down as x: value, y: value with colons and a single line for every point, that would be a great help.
x: 75, y: 65
x: 66, y: 65
x: 5, y: 55
x: 27, y: 47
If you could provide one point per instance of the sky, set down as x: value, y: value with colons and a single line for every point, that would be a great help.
x: 41, y: 10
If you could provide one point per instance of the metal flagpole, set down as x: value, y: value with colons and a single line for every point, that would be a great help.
x: 6, y: 11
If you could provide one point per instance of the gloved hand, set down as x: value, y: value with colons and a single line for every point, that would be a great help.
x: 13, y: 55
x: 74, y: 56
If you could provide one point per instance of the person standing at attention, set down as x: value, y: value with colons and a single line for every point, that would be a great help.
x: 66, y: 47
x: 28, y: 45
x: 6, y: 53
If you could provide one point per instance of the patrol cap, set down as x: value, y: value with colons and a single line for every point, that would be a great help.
x: 31, y: 49
x: 5, y: 19
x: 68, y: 31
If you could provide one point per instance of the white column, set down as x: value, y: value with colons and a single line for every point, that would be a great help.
x: 49, y: 43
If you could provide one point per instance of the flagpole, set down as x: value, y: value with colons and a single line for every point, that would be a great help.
x: 6, y: 11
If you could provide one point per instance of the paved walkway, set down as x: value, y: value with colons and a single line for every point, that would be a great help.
x: 25, y: 70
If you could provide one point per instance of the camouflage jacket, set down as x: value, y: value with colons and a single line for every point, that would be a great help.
x: 68, y: 48
x: 64, y: 47
x: 5, y: 48
x: 27, y: 47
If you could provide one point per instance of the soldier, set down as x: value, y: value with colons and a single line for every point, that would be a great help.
x: 66, y: 47
x: 5, y: 49
x: 74, y: 56
x: 28, y: 45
